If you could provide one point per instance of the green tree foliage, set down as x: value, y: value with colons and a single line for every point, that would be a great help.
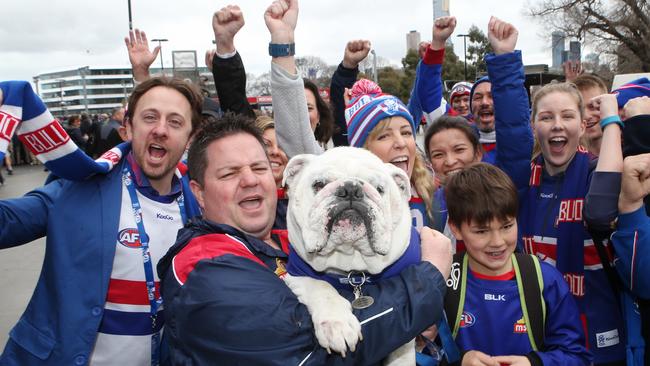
x: 478, y: 46
x: 620, y: 28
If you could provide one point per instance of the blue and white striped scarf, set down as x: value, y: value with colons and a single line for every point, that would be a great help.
x: 23, y: 112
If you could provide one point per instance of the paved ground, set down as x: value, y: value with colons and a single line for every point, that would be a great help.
x: 19, y: 266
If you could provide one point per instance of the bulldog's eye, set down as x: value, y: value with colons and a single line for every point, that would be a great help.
x: 380, y: 189
x: 318, y: 185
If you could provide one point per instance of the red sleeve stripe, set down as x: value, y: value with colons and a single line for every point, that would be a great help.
x: 129, y: 292
x: 208, y: 247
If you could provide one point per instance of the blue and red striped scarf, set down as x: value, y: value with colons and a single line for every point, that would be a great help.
x: 23, y: 112
x: 568, y: 229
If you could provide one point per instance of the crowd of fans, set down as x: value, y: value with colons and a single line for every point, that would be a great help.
x: 543, y: 201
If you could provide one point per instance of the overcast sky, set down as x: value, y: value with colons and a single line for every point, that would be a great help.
x: 39, y: 36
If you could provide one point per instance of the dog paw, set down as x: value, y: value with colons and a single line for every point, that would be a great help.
x: 337, y: 329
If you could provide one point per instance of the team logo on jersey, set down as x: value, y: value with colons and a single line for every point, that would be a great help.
x: 129, y: 237
x: 467, y: 319
x: 520, y: 326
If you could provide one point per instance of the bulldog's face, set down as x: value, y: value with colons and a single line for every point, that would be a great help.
x: 347, y: 210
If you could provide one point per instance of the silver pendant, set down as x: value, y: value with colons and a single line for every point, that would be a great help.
x: 362, y: 302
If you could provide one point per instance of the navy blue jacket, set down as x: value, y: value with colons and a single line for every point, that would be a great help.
x: 226, y: 304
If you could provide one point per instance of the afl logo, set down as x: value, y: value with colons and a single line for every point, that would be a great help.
x: 467, y: 319
x: 130, y: 238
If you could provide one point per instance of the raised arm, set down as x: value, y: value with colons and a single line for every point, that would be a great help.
x: 602, y: 199
x: 226, y: 63
x: 429, y: 73
x: 514, y: 136
x: 632, y: 237
x: 291, y: 117
x: 344, y: 77
x: 140, y: 56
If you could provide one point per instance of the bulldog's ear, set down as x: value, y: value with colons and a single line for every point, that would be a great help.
x: 294, y: 167
x: 402, y: 180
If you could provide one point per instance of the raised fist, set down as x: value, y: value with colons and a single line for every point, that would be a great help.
x: 281, y: 18
x: 502, y: 36
x: 443, y: 27
x: 355, y: 52
x: 225, y: 24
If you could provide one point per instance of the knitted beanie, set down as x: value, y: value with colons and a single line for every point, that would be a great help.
x: 23, y: 112
x: 633, y: 89
x: 484, y: 79
x: 459, y: 89
x: 368, y: 106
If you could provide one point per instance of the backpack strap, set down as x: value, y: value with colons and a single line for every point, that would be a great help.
x: 456, y: 287
x: 530, y: 284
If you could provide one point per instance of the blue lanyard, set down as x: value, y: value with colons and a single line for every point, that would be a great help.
x: 154, y: 301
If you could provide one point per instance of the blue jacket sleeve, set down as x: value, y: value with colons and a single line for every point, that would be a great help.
x: 563, y: 337
x: 601, y: 203
x: 512, y: 116
x: 234, y: 311
x: 429, y: 85
x: 230, y: 81
x: 24, y: 219
x: 342, y: 78
x: 631, y: 242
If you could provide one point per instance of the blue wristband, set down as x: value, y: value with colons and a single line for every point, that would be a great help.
x: 609, y: 120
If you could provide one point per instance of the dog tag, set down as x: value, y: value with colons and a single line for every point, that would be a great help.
x: 360, y: 301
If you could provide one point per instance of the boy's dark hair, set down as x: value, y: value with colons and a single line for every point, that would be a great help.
x: 229, y: 124
x: 452, y: 122
x: 480, y: 193
x: 189, y: 91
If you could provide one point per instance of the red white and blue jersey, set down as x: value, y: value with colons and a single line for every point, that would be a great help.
x: 492, y: 321
x: 419, y: 213
x: 124, y: 336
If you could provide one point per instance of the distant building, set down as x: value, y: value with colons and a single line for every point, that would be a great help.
x: 574, y: 51
x: 440, y: 8
x: 94, y: 90
x: 412, y: 40
x: 565, y: 57
x: 557, y: 47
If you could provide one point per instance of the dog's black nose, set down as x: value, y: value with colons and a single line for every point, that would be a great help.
x: 350, y: 190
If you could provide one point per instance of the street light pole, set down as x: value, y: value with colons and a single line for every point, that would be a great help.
x: 160, y: 40
x: 130, y: 18
x: 464, y: 51
x: 374, y: 66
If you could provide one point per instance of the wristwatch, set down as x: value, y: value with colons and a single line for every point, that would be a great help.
x: 282, y: 50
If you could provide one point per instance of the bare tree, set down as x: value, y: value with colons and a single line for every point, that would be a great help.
x: 618, y: 27
x: 260, y: 85
x: 311, y: 67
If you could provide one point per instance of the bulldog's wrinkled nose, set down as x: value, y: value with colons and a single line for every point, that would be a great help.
x: 350, y: 191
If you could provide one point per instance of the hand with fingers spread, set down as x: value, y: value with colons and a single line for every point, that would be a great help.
x: 209, y: 56
x: 606, y: 104
x: 502, y: 36
x: 572, y: 69
x: 637, y: 106
x: 140, y: 56
x: 281, y: 18
x: 635, y: 184
x: 225, y: 24
x: 443, y: 27
x: 355, y: 52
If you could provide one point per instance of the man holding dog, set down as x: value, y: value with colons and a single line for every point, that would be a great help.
x: 224, y: 296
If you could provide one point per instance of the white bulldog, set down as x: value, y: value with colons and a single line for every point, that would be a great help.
x: 348, y: 212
